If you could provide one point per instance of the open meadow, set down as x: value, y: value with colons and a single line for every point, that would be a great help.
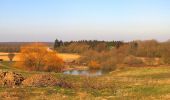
x: 130, y: 83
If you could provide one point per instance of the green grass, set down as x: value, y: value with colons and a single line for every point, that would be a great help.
x: 131, y: 83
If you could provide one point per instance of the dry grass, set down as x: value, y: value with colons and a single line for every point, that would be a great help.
x: 66, y: 57
x: 151, y: 61
x: 130, y: 83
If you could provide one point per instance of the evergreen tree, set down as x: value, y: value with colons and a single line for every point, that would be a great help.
x: 56, y: 44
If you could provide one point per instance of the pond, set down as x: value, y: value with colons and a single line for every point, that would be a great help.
x: 85, y: 72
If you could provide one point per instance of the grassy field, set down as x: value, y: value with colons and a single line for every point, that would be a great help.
x: 131, y: 83
x: 66, y: 57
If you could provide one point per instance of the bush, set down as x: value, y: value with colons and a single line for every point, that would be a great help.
x: 106, y: 60
x: 88, y: 56
x: 37, y: 57
x: 53, y: 63
x: 94, y: 65
x: 133, y: 61
x: 109, y: 64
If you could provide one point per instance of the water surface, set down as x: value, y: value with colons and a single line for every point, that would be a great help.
x: 84, y: 72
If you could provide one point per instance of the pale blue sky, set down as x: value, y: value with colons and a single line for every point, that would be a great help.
x: 45, y: 20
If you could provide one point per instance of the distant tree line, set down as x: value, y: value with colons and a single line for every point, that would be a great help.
x: 109, y: 54
x: 82, y: 45
x: 9, y: 47
x: 15, y: 46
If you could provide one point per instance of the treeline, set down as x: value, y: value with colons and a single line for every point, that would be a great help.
x: 83, y: 45
x: 147, y: 48
x: 109, y: 54
x: 15, y: 46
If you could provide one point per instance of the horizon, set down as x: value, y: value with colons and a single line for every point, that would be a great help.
x: 79, y: 40
x: 119, y: 20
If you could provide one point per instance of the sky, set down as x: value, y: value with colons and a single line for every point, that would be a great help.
x: 46, y: 20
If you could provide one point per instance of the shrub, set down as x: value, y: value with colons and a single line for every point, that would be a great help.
x: 106, y: 60
x: 131, y: 60
x: 94, y: 65
x: 53, y: 62
x: 37, y: 57
x: 109, y: 64
x: 89, y: 56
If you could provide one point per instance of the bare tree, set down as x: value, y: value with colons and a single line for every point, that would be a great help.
x: 11, y: 56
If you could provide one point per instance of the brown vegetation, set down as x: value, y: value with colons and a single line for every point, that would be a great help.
x: 103, y: 60
x: 96, y: 54
x: 40, y: 80
x: 37, y: 57
x: 133, y: 61
x: 10, y: 79
x: 107, y: 56
x: 94, y: 65
x: 53, y: 62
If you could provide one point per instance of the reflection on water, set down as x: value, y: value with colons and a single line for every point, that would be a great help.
x: 84, y: 72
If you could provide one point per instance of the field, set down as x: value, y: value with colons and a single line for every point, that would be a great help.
x: 125, y: 83
x: 66, y: 57
x: 130, y: 83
